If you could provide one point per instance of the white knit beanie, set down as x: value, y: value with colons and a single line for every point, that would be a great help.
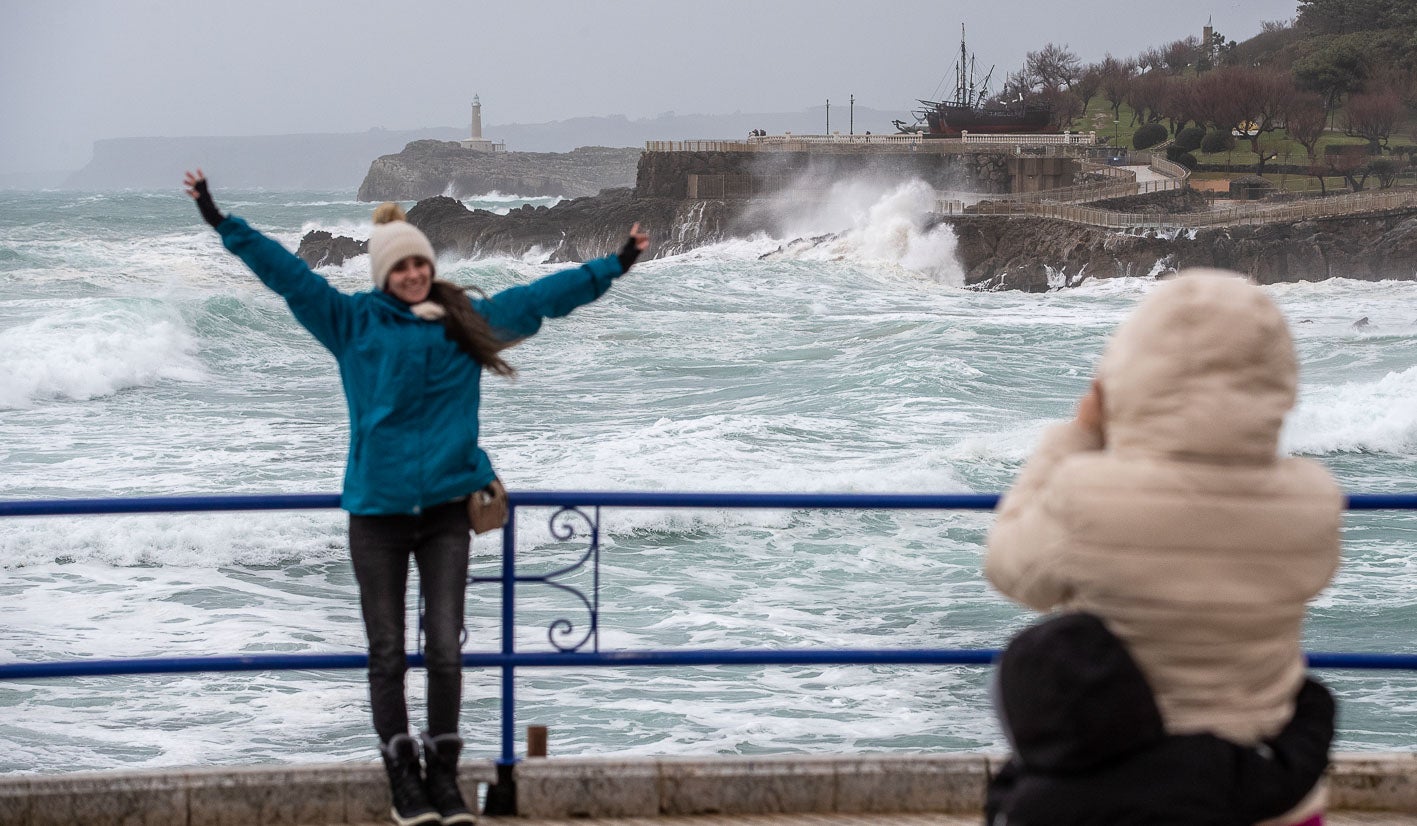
x: 393, y: 240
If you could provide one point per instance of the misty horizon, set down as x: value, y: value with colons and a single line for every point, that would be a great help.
x: 88, y: 70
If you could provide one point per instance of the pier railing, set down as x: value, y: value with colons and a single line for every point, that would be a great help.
x: 1116, y: 182
x: 1330, y: 207
x: 1070, y: 144
x: 1064, y: 138
x: 576, y: 515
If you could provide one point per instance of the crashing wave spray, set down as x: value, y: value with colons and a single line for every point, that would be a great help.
x: 871, y: 223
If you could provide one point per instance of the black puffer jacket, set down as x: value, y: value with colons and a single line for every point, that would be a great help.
x: 1090, y: 747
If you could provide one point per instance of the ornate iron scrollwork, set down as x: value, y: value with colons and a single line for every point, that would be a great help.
x: 563, y: 525
x: 562, y: 528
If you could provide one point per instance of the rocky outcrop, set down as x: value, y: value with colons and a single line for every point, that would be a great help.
x: 319, y: 248
x: 574, y: 230
x: 425, y: 169
x: 1037, y: 254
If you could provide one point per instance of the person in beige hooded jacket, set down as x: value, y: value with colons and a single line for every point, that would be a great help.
x: 1165, y: 509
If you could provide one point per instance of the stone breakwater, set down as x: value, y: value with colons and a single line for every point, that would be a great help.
x: 428, y: 168
x: 666, y: 174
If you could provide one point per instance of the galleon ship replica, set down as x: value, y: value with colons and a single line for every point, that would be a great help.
x: 971, y: 110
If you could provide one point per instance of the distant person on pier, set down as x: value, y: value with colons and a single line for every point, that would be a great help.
x: 411, y: 353
x: 1164, y: 508
x: 1089, y: 745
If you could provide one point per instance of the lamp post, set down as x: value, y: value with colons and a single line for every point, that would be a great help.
x: 829, y: 116
x: 851, y: 122
x: 1117, y: 137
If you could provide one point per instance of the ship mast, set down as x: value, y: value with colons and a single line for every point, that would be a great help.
x: 961, y: 95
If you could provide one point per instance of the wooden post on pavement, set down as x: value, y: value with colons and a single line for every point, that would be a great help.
x: 536, y: 741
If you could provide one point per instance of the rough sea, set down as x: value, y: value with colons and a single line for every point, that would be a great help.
x: 138, y: 358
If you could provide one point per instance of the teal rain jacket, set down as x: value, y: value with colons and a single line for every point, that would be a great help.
x: 412, y: 394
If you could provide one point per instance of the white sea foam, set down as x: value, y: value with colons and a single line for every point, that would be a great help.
x: 495, y: 197
x: 832, y: 366
x: 77, y: 352
x: 1357, y: 417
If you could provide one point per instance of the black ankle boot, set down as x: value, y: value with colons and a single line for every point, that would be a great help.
x: 411, y: 807
x: 441, y: 778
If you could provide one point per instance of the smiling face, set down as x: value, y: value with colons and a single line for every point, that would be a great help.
x: 411, y: 279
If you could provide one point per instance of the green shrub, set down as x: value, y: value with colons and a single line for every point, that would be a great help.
x: 1177, y: 154
x: 1149, y: 135
x: 1217, y: 141
x: 1189, y: 139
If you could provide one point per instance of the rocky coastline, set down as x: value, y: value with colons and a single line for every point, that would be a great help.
x: 573, y: 230
x: 995, y: 252
x: 1038, y: 254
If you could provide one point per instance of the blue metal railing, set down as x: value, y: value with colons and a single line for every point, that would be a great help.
x: 569, y: 506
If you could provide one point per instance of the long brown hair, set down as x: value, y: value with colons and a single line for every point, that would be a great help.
x: 467, y: 329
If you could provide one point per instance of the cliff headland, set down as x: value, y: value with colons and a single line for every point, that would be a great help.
x: 425, y: 169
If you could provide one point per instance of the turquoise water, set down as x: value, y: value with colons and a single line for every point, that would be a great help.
x: 141, y: 359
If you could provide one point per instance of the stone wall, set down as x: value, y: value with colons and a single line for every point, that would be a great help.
x: 666, y: 174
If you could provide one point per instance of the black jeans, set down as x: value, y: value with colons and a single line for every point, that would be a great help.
x: 380, y: 546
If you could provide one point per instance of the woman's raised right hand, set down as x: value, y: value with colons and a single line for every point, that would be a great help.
x: 196, y: 186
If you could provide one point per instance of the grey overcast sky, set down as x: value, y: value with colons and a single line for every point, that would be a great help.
x: 73, y: 71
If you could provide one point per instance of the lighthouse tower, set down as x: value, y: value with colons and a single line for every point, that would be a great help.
x: 476, y: 142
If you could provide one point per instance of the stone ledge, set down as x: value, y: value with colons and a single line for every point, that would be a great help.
x: 590, y: 787
x: 734, y: 785
x: 235, y: 796
x: 1379, y: 781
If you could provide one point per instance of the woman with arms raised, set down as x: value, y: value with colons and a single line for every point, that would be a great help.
x: 411, y: 353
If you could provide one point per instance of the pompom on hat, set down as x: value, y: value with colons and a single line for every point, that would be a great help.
x: 393, y: 240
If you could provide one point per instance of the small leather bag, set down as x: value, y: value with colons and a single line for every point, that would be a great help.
x: 487, y: 508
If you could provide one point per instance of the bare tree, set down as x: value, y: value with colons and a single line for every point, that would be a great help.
x: 1146, y: 95
x: 1150, y: 60
x: 1320, y: 170
x: 1053, y: 66
x: 1179, y: 54
x: 1088, y: 84
x: 1217, y: 102
x: 1265, y: 95
x: 1177, y: 103
x: 1245, y: 102
x: 1116, y: 75
x: 1065, y: 104
x: 1372, y: 115
x: 1350, y: 162
x: 1305, y: 119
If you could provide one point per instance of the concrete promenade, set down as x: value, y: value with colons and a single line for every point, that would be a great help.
x: 1331, y: 819
x: 784, y: 790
